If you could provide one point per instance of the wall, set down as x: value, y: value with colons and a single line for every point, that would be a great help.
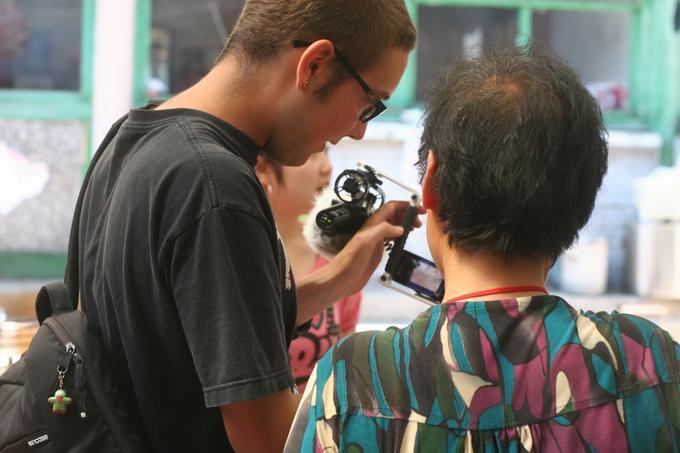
x: 392, y: 147
x: 113, y: 65
x: 631, y: 155
x: 41, y: 167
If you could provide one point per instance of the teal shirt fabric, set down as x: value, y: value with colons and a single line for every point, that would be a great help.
x: 526, y: 374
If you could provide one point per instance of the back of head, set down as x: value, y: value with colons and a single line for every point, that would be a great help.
x: 521, y: 152
x: 363, y: 30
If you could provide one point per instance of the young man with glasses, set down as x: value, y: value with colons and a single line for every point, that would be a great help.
x: 183, y: 272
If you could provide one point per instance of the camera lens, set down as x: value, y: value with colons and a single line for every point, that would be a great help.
x: 324, y: 219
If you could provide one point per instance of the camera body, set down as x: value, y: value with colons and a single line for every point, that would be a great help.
x: 359, y: 195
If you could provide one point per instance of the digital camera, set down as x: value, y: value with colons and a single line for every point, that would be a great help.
x: 359, y: 195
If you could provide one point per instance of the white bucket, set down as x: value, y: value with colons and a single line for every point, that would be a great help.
x: 583, y: 268
x: 656, y: 260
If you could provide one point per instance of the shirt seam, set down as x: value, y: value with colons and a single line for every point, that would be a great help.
x: 173, y: 235
x: 212, y: 121
x: 250, y: 380
x: 147, y: 126
x: 198, y: 151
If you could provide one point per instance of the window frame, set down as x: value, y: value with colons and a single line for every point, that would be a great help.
x: 654, y: 77
x: 52, y: 105
x: 33, y: 104
x: 653, y: 74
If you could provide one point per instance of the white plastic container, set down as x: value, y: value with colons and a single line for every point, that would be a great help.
x: 584, y: 267
x: 656, y: 195
x: 656, y: 260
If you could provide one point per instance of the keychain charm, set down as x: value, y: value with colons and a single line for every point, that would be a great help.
x: 60, y: 401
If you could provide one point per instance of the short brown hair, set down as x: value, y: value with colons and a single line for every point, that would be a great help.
x: 362, y: 29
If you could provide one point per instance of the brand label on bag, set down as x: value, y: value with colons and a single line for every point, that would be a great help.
x: 38, y: 440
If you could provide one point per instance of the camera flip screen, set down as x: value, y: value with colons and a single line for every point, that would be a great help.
x: 419, y: 274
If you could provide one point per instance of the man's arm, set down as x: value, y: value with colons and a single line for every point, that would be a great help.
x: 226, y: 289
x: 260, y: 425
x: 349, y: 271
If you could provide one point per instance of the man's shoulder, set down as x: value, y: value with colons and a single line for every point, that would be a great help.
x: 179, y: 172
x: 194, y: 137
x: 211, y: 167
x: 171, y: 145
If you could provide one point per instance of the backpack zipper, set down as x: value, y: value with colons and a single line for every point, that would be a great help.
x: 65, y: 363
x: 62, y: 335
x: 81, y: 389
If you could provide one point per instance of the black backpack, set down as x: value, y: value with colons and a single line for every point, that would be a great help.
x: 61, y: 395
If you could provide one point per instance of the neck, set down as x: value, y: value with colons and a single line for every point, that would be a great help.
x: 289, y: 227
x: 240, y: 96
x: 466, y: 273
x: 302, y: 257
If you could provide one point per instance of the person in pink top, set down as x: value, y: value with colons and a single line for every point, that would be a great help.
x: 291, y: 192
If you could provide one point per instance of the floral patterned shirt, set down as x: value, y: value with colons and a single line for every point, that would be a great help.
x: 526, y: 374
x: 325, y: 330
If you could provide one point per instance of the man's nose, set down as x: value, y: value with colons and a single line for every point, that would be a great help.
x: 358, y: 132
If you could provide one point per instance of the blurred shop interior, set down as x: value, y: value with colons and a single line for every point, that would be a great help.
x: 70, y: 68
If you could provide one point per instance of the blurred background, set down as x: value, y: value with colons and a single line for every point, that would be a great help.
x: 70, y: 68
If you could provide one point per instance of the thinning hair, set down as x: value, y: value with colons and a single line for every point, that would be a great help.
x: 521, y: 152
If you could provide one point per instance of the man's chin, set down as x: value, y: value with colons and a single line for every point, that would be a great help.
x: 290, y: 159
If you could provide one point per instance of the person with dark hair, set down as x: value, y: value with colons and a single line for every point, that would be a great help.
x: 183, y: 273
x: 291, y: 192
x: 512, y: 156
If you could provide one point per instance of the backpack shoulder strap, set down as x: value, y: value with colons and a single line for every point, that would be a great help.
x: 71, y: 274
x: 52, y: 298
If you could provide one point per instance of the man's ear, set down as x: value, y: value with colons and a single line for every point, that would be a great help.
x: 262, y: 170
x: 314, y: 57
x: 429, y: 197
x: 548, y: 264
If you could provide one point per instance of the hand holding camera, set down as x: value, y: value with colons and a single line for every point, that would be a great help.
x: 355, y: 222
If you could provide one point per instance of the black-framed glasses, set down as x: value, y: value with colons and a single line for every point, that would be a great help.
x: 370, y: 112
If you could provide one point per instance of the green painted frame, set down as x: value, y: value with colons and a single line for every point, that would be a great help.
x: 654, y: 78
x: 142, y: 59
x: 32, y: 265
x: 58, y: 105
x: 51, y: 106
x: 654, y: 100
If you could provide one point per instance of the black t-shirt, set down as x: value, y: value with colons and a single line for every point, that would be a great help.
x: 184, y: 274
